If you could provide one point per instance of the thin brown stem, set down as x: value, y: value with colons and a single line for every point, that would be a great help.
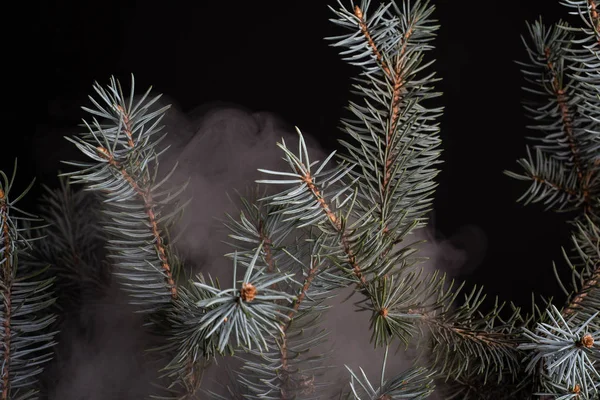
x: 398, y: 79
x: 146, y: 198
x: 584, y: 175
x: 307, y: 178
x: 553, y: 185
x: 481, y: 336
x: 149, y: 209
x: 127, y: 128
x: 267, y: 243
x: 365, y: 30
x: 590, y: 284
x: 492, y: 339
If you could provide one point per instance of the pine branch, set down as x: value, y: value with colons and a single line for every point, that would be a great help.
x: 486, y: 340
x: 188, y: 347
x: 136, y: 213
x: 292, y: 366
x: 564, y: 74
x: 25, y: 341
x: 566, y: 164
x: 72, y: 244
x: 584, y: 299
x: 260, y: 223
x: 551, y: 183
x: 396, y: 133
x: 308, y: 204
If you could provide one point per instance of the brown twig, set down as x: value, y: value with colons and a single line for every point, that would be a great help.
x: 553, y: 185
x: 266, y: 245
x: 307, y: 178
x: 584, y: 175
x: 365, y: 30
x: 149, y: 209
x: 146, y: 197
x: 397, y: 77
x: 575, y: 304
x: 127, y: 128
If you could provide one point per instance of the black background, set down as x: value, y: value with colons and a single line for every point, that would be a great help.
x: 272, y: 56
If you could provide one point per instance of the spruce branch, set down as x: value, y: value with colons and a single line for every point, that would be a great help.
x: 487, y: 341
x: 187, y: 344
x: 564, y: 174
x: 399, y: 299
x: 564, y: 81
x: 584, y: 298
x: 391, y: 173
x: 401, y: 306
x: 395, y: 135
x: 72, y: 244
x: 307, y: 203
x: 25, y: 338
x: 290, y: 366
x: 398, y: 302
x: 137, y: 211
x: 551, y: 182
x: 261, y: 223
x: 585, y: 54
x: 350, y: 219
x: 391, y: 169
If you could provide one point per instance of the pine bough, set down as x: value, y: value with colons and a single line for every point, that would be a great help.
x: 342, y: 222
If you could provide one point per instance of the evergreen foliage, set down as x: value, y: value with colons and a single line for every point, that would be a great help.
x: 342, y: 222
x: 562, y: 75
x: 26, y: 300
